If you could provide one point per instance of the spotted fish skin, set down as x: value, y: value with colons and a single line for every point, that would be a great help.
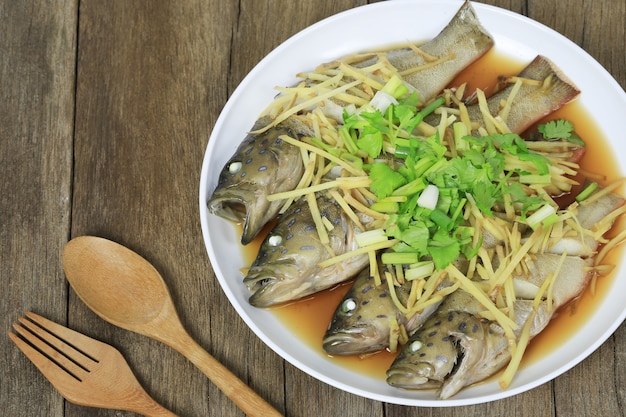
x: 479, y: 348
x: 453, y: 349
x: 429, y: 358
x: 361, y: 322
x: 262, y: 165
x: 286, y: 267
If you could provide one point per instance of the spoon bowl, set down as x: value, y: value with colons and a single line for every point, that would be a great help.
x: 126, y: 290
x: 115, y: 282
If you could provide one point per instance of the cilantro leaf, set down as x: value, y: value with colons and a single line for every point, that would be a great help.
x: 412, y: 100
x: 485, y: 171
x: 371, y: 141
x: 384, y: 179
x: 556, y: 129
x: 416, y: 237
x: 539, y: 161
x: 444, y: 249
x: 485, y: 196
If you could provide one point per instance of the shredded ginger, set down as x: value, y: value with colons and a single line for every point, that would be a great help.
x: 418, y: 162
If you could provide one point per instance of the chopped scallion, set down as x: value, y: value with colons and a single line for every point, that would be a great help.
x: 370, y: 237
x: 419, y: 270
x: 399, y: 258
x: 535, y: 179
x: 385, y: 206
x: 586, y: 192
x: 539, y: 216
x: 428, y: 198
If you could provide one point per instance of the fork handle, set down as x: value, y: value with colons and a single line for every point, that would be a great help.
x: 234, y: 388
x: 147, y: 406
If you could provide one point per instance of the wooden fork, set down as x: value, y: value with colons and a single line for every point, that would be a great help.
x: 85, y: 371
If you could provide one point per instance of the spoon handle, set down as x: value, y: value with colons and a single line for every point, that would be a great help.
x: 234, y: 388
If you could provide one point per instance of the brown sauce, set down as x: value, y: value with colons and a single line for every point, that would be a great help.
x: 309, y: 318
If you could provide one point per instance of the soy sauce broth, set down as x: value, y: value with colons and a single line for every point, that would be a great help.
x: 308, y: 318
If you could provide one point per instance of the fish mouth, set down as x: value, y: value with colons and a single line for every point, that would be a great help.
x: 406, y: 377
x: 238, y: 205
x: 232, y: 209
x: 353, y: 343
x: 261, y: 288
x: 269, y: 290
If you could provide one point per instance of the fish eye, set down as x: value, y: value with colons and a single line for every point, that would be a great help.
x: 235, y: 167
x: 348, y: 306
x: 415, y: 346
x: 274, y: 240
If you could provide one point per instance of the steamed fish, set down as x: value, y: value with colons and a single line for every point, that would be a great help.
x: 429, y: 69
x: 287, y: 266
x: 362, y: 322
x: 538, y: 90
x: 264, y: 165
x: 453, y: 350
x: 588, y: 216
x: 529, y: 101
x: 459, y: 346
x: 460, y: 43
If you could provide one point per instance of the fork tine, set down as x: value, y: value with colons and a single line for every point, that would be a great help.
x: 103, y: 380
x: 49, y: 348
x: 48, y: 368
x: 77, y: 341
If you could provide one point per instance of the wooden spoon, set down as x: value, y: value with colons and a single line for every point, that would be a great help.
x: 126, y: 290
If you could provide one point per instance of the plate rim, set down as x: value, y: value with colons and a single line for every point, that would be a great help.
x: 204, y: 183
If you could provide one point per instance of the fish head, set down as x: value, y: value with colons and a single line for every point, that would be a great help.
x: 280, y: 274
x: 426, y: 359
x: 451, y: 351
x: 361, y: 322
x: 263, y: 164
x: 287, y: 265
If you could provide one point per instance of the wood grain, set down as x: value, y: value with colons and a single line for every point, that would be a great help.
x: 106, y: 110
x: 37, y: 77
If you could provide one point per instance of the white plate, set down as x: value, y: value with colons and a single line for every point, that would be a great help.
x: 366, y: 28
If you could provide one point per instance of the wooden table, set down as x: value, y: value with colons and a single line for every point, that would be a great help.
x: 106, y: 110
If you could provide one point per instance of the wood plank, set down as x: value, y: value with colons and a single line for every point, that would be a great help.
x: 37, y: 50
x: 118, y: 154
x: 257, y: 21
x: 253, y: 24
x: 150, y: 85
x: 595, y: 26
x: 592, y: 388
